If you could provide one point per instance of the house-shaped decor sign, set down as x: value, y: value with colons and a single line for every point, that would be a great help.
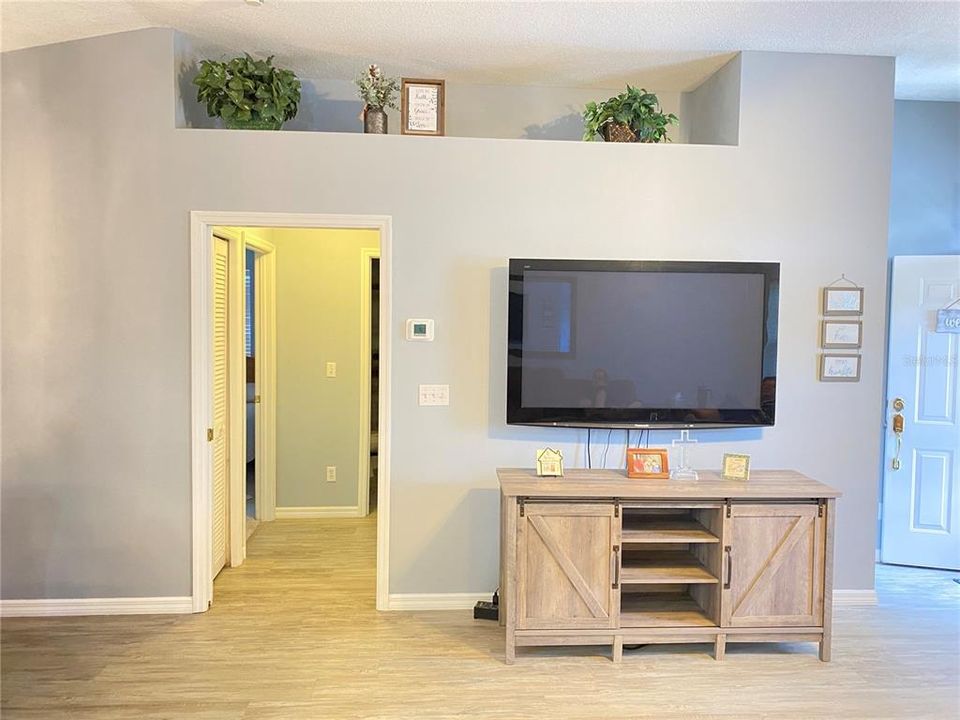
x: 549, y: 463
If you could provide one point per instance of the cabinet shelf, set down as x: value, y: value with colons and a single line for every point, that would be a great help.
x: 664, y: 567
x: 662, y: 610
x: 671, y: 530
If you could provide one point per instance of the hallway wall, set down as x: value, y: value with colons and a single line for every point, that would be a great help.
x: 318, y: 321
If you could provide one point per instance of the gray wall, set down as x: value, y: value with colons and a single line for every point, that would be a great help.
x: 96, y: 192
x: 710, y: 114
x: 925, y: 186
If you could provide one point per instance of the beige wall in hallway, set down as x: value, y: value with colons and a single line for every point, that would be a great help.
x: 318, y: 321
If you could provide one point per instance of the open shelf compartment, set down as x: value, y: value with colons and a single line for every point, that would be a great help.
x: 665, y: 529
x: 664, y: 609
x: 664, y: 567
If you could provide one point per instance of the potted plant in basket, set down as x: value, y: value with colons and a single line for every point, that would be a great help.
x: 632, y: 116
x: 248, y: 94
x: 378, y: 92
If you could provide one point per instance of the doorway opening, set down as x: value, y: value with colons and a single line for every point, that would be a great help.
x: 314, y: 443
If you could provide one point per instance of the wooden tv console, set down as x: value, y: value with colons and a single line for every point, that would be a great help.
x: 595, y: 558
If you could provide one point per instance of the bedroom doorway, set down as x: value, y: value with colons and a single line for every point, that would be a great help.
x: 254, y: 299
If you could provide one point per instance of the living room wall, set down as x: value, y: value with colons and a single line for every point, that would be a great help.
x: 925, y: 184
x: 97, y: 189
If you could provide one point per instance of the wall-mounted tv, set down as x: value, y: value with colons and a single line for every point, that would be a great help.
x: 641, y: 344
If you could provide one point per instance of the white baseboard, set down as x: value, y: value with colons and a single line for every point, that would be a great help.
x: 435, y: 601
x: 854, y: 597
x: 302, y: 513
x: 96, y: 606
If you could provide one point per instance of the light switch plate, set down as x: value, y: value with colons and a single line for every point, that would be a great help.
x: 331, y: 473
x: 331, y: 369
x: 433, y: 395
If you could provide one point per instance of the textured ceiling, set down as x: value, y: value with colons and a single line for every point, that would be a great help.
x: 667, y: 46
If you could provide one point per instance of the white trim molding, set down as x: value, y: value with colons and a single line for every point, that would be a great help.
x: 332, y: 511
x: 436, y: 601
x: 201, y: 229
x: 96, y: 606
x: 845, y: 598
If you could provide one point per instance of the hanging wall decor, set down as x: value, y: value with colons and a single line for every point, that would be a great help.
x: 948, y: 319
x: 842, y: 297
x: 841, y: 329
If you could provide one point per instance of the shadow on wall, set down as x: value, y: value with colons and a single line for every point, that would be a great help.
x: 194, y: 113
x: 568, y: 127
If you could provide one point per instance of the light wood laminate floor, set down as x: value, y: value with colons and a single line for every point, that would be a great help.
x: 294, y: 634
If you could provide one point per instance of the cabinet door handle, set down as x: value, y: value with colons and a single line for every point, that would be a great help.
x: 727, y: 549
x: 616, y: 567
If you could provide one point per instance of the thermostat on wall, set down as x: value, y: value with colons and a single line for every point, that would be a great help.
x: 420, y: 330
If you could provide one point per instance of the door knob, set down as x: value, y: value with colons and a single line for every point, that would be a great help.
x: 898, y: 406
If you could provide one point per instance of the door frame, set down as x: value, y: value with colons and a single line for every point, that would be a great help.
x: 265, y: 377
x: 367, y: 256
x: 201, y: 234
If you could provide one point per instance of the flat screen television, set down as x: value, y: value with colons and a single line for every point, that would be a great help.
x: 642, y: 344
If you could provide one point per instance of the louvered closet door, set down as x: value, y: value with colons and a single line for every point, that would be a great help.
x: 221, y: 404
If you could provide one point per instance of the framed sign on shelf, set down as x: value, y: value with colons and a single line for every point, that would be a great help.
x: 421, y: 106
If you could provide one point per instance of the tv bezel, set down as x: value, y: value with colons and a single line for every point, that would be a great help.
x: 626, y: 418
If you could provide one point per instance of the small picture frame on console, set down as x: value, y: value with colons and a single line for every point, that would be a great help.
x: 735, y: 467
x: 647, y: 463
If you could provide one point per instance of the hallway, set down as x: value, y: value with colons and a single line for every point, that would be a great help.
x: 293, y: 633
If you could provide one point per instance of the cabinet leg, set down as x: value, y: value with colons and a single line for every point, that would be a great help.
x: 825, y: 648
x: 720, y: 646
x: 618, y: 649
x: 510, y: 650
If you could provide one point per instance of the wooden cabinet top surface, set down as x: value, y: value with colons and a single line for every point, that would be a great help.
x: 763, y: 484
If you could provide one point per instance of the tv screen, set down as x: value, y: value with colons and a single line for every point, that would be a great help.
x: 642, y: 343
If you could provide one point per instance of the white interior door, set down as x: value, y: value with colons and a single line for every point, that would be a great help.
x: 221, y: 404
x: 921, y: 499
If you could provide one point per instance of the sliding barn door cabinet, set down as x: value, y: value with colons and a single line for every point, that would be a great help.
x: 595, y: 558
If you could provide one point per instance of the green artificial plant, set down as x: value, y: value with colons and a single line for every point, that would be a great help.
x: 377, y: 90
x: 248, y: 93
x: 636, y: 109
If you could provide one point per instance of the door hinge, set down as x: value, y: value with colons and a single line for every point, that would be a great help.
x: 616, y: 507
x: 209, y: 434
x: 521, y: 501
x: 820, y: 508
x: 729, y: 507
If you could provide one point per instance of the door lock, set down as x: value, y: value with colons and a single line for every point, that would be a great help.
x: 898, y: 406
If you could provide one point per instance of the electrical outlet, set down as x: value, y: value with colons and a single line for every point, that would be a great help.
x: 331, y: 369
x: 434, y: 395
x: 331, y: 473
